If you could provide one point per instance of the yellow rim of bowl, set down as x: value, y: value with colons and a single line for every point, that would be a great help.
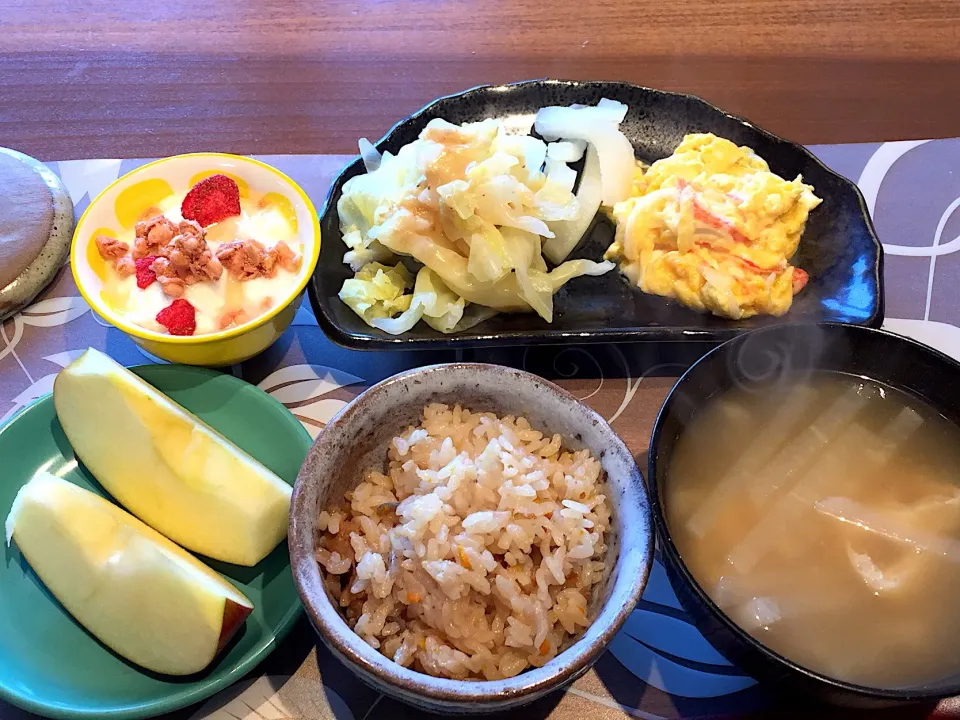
x: 145, y: 334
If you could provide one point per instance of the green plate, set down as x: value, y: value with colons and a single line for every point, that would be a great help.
x: 48, y: 663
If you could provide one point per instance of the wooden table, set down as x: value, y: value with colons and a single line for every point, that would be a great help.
x: 134, y: 79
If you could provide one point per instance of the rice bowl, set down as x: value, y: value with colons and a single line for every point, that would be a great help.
x: 356, y: 441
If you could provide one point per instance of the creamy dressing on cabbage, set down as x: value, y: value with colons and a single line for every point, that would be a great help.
x: 471, y: 206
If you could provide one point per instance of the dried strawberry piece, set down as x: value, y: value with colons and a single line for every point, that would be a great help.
x: 211, y: 200
x: 145, y: 274
x: 179, y: 317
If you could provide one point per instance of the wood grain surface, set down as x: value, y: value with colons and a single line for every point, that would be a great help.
x: 140, y: 79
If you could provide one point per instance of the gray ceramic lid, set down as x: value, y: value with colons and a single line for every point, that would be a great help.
x: 36, y: 225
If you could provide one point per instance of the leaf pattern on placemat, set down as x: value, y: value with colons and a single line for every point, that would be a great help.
x: 54, y: 311
x: 660, y: 645
x: 64, y: 358
x: 37, y: 390
x: 40, y: 387
x: 306, y: 391
x: 50, y: 312
x: 675, y: 674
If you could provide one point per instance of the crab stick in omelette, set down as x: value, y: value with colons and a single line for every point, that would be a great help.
x: 712, y: 227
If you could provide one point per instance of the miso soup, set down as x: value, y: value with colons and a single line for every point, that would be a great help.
x: 823, y: 517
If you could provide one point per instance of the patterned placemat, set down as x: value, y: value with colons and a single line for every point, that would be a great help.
x: 659, y: 666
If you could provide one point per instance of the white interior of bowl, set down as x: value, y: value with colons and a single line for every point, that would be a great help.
x: 178, y: 171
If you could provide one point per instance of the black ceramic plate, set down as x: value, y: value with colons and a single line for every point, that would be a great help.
x: 839, y: 249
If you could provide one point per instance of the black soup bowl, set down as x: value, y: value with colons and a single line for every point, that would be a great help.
x: 758, y: 358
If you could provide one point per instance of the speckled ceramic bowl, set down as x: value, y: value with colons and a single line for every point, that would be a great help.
x: 356, y: 440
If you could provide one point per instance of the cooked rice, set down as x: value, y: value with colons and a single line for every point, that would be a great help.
x: 487, y: 564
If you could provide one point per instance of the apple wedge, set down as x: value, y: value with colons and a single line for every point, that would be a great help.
x: 141, y: 595
x: 166, y: 466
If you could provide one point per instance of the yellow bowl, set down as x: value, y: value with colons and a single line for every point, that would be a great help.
x: 116, y: 209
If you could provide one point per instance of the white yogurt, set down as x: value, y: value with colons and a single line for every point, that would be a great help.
x: 213, y: 298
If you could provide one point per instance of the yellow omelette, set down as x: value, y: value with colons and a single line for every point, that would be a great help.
x: 712, y: 227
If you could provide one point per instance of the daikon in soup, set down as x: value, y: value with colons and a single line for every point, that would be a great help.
x: 823, y: 517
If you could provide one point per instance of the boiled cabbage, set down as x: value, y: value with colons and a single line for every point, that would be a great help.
x: 431, y: 301
x: 472, y: 205
x: 378, y: 291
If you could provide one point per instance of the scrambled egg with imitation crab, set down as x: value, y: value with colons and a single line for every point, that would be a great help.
x: 712, y: 227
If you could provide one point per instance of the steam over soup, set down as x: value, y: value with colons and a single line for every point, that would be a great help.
x: 823, y: 516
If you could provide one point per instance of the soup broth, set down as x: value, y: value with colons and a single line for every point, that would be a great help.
x: 823, y: 517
